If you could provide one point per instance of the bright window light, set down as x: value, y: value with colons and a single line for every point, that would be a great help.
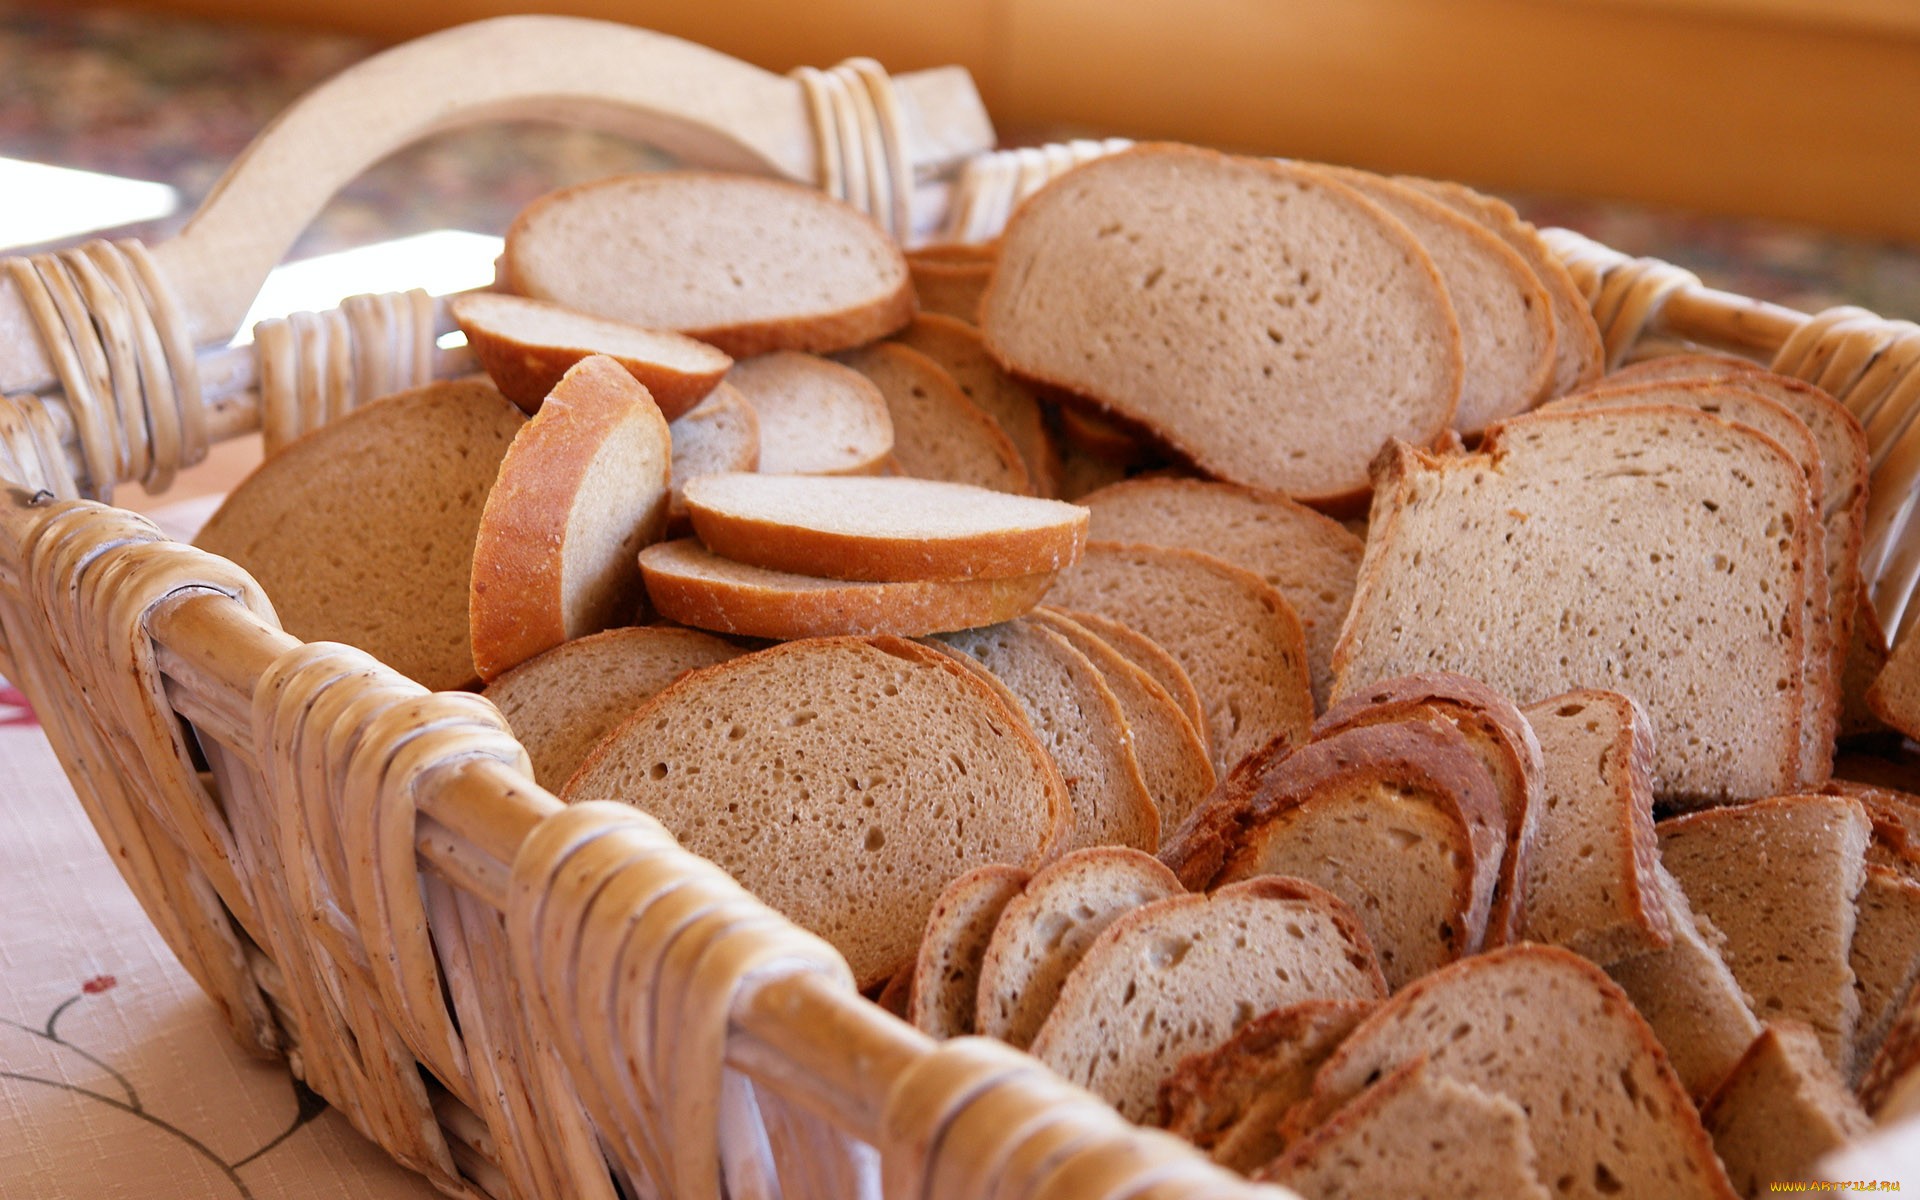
x: 443, y: 261
x: 45, y: 203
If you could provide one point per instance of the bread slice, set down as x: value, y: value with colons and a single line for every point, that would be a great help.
x: 1234, y: 636
x: 1781, y: 1111
x: 721, y: 433
x: 1895, y: 820
x: 1186, y: 972
x: 946, y: 973
x: 815, y: 416
x: 1075, y: 716
x: 1593, y: 885
x: 1885, y: 957
x: 1894, y: 696
x: 1229, y: 1100
x: 1234, y: 307
x: 1489, y: 564
x: 937, y: 432
x: 1309, y: 558
x: 949, y: 288
x: 363, y: 530
x: 1150, y: 656
x: 959, y: 350
x: 1546, y: 1029
x: 844, y: 781
x: 561, y: 703
x: 1867, y: 656
x: 883, y: 529
x: 580, y: 491
x: 1045, y: 932
x: 1506, y: 317
x: 527, y: 345
x: 1789, y: 923
x: 692, y: 586
x: 1420, y: 1135
x: 747, y: 263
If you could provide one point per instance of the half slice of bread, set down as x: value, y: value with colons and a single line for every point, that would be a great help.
x: 958, y: 348
x: 815, y: 416
x: 746, y: 263
x: 693, y: 586
x: 1185, y: 973
x: 1885, y: 957
x: 1236, y: 308
x: 946, y: 973
x: 721, y: 433
x: 844, y: 781
x: 527, y: 345
x: 937, y: 432
x: 1782, y: 1110
x: 363, y: 530
x: 1045, y: 932
x: 1150, y: 656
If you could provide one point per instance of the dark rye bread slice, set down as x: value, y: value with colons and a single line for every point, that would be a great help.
x: 946, y: 972
x: 1779, y: 878
x: 1186, y: 972
x: 1150, y: 656
x: 1592, y: 549
x: 1781, y: 1111
x: 1885, y: 957
x: 844, y: 781
x: 1045, y: 931
x: 957, y: 347
x: 1593, y: 885
x: 746, y: 263
x: 1234, y: 308
x: 937, y: 432
x: 721, y: 433
x: 1234, y: 635
x: 1547, y: 1029
x: 815, y: 416
x: 561, y: 703
x: 362, y: 531
x: 1307, y: 557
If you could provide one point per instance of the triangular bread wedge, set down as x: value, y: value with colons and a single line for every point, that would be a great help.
x: 1150, y: 656
x: 946, y: 972
x: 1781, y: 1111
x: 1885, y: 956
x: 815, y: 416
x: 721, y: 433
x: 957, y: 347
x: 937, y: 432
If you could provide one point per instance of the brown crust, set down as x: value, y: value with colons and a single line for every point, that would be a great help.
x: 949, y: 288
x: 1200, y: 1076
x: 944, y: 338
x: 1150, y: 656
x: 981, y: 891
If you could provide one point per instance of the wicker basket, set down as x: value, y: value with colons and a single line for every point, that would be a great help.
x: 512, y: 997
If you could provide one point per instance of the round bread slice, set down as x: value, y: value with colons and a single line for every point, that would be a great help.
x: 959, y: 350
x: 937, y: 432
x: 561, y: 703
x: 363, y: 530
x: 527, y: 345
x: 746, y: 263
x: 1240, y: 309
x: 883, y: 529
x: 844, y: 781
x: 816, y: 417
x: 691, y: 585
x: 946, y: 973
x: 721, y: 433
x: 1150, y: 656
x: 582, y: 488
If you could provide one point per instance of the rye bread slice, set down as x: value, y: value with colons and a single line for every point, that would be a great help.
x: 1234, y: 635
x: 946, y: 972
x: 1885, y: 957
x: 561, y: 703
x: 844, y: 781
x: 949, y: 288
x: 1150, y: 656
x: 1782, y: 1110
x: 721, y: 433
x: 1234, y: 307
x: 937, y: 432
x: 1867, y: 655
x: 958, y: 348
x: 815, y: 416
x: 1307, y: 557
x: 748, y: 264
x: 1593, y: 885
x: 1045, y: 931
x: 883, y: 530
x: 1592, y: 549
x: 363, y: 530
x: 1547, y: 1029
x: 693, y: 586
x: 1186, y: 972
x: 527, y: 345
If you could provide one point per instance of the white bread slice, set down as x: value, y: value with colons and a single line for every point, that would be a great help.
x: 1309, y: 558
x: 721, y: 433
x: 527, y: 345
x: 581, y: 490
x: 1885, y: 957
x: 1236, y: 637
x: 948, y: 287
x: 1233, y: 307
x: 1489, y: 564
x: 362, y: 531
x: 815, y: 416
x: 946, y: 972
x: 1150, y: 656
x: 844, y: 781
x: 692, y: 586
x: 882, y: 529
x: 746, y: 263
x: 1788, y: 923
x: 1593, y: 885
x: 1045, y: 932
x: 1781, y: 1111
x: 1186, y: 972
x: 937, y: 432
x: 561, y: 703
x: 958, y: 348
x: 1550, y: 1031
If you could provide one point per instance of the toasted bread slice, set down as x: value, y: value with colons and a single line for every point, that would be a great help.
x: 1150, y: 656
x: 937, y: 432
x: 721, y: 433
x: 957, y: 347
x: 946, y: 973
x: 1782, y: 1110
x: 815, y: 416
x: 1885, y: 957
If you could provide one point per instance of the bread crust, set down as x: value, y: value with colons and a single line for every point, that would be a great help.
x: 946, y: 972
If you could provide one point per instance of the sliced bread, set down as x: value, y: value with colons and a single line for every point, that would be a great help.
x: 958, y: 348
x: 1894, y: 696
x: 844, y: 781
x: 746, y: 263
x: 721, y: 433
x: 1101, y: 437
x: 363, y: 530
x: 949, y: 288
x: 1885, y: 957
x: 1235, y: 306
x: 1150, y: 656
x: 937, y: 432
x: 946, y: 972
x: 1895, y: 818
x: 1782, y: 1110
x: 1867, y: 655
x: 815, y: 416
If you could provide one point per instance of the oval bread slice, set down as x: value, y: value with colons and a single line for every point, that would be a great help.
x: 959, y: 350
x: 721, y: 433
x: 937, y: 432
x: 946, y: 973
x: 816, y: 417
